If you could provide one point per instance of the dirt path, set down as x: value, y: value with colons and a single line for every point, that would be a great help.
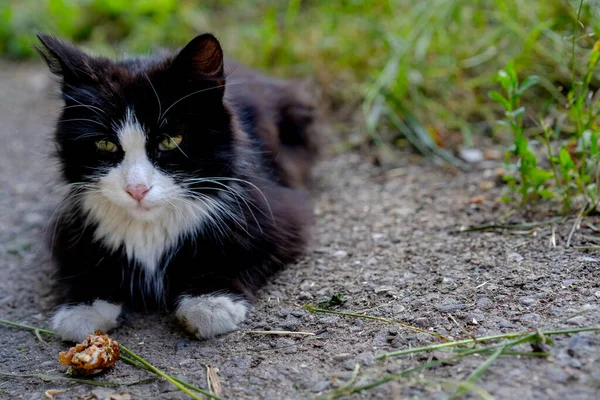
x: 385, y: 241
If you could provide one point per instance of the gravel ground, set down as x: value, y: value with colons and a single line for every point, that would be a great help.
x: 387, y: 241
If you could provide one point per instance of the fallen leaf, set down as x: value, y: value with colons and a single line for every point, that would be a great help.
x: 53, y: 392
x: 478, y: 200
x: 486, y: 185
x: 120, y: 396
x: 499, y: 173
x: 493, y: 155
x: 214, y: 383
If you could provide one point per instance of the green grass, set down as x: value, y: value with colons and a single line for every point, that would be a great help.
x: 568, y: 167
x: 502, y: 344
x: 395, y: 72
x: 437, y: 58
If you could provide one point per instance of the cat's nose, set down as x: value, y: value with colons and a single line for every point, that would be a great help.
x: 137, y: 192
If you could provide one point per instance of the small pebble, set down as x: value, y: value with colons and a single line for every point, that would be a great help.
x: 579, y: 320
x: 503, y: 323
x: 381, y: 338
x: 558, y: 375
x: 515, y: 257
x: 451, y: 306
x: 340, y: 254
x: 527, y: 301
x: 531, y: 318
x: 342, y: 357
x: 305, y: 296
x: 484, y: 303
x: 34, y: 219
x: 320, y: 386
x: 180, y: 345
x: 471, y: 155
x: 385, y: 290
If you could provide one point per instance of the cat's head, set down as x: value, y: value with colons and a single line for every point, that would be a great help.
x: 142, y: 134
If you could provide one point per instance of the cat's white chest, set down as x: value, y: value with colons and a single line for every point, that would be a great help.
x: 146, y: 242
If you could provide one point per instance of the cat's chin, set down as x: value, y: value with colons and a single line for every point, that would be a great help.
x: 144, y: 213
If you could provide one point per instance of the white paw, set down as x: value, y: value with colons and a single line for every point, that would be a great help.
x: 74, y: 323
x: 207, y: 316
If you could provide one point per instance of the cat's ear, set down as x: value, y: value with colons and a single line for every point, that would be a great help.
x: 64, y: 59
x: 201, y: 60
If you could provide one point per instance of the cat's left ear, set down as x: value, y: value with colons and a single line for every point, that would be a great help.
x: 65, y: 60
x: 201, y: 60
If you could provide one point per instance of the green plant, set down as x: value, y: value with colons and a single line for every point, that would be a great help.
x: 419, y: 71
x: 531, y: 179
x: 570, y: 172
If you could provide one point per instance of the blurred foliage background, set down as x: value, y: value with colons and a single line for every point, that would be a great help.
x: 393, y: 70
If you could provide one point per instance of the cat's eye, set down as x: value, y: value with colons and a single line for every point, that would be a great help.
x: 106, y: 145
x: 170, y: 143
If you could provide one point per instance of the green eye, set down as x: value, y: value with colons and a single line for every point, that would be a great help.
x: 170, y: 143
x: 105, y: 145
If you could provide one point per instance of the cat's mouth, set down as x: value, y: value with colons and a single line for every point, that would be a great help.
x: 142, y: 208
x: 143, y: 211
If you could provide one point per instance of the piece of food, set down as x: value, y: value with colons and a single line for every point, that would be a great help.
x: 96, y: 353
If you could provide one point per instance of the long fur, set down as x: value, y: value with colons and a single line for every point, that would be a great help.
x: 221, y: 212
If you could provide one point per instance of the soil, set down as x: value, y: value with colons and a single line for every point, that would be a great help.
x: 385, y: 238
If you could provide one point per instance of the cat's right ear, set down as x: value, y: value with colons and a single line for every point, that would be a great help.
x: 64, y: 59
x: 201, y: 60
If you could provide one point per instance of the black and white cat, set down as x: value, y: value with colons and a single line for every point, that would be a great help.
x: 187, y: 187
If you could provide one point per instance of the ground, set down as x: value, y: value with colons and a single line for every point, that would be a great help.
x: 385, y: 239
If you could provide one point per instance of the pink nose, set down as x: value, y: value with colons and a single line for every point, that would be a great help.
x: 137, y: 192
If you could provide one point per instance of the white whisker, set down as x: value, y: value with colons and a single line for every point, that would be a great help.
x: 83, y: 119
x: 93, y: 108
x: 196, y: 92
x: 157, y: 98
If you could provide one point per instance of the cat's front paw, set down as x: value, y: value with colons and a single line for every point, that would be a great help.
x: 207, y: 316
x: 75, y: 322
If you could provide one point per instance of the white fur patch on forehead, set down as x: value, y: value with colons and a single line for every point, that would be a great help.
x: 131, y: 134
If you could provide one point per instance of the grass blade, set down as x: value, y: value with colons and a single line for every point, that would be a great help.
x: 46, y: 377
x: 479, y: 371
x: 388, y: 321
x: 135, y: 360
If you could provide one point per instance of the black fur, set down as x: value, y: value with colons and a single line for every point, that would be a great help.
x: 229, y: 131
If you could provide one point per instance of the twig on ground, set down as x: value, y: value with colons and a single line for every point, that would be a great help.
x: 479, y: 371
x: 213, y: 381
x: 575, y: 226
x: 374, y: 308
x: 179, y: 384
x: 494, y: 350
x: 28, y: 327
x: 491, y: 349
x: 509, y: 226
x: 291, y: 333
x: 346, y: 391
x: 482, y: 339
x: 389, y: 321
x: 299, y: 343
x: 460, y: 326
x: 346, y: 388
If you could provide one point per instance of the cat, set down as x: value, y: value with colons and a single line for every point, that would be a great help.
x: 188, y: 187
